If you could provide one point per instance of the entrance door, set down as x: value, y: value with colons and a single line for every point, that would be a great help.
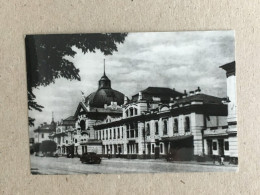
x: 221, y: 147
x: 209, y: 142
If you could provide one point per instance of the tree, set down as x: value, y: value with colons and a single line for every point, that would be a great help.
x: 48, y: 146
x: 45, y: 58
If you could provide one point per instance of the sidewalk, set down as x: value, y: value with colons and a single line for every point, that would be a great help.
x: 209, y: 163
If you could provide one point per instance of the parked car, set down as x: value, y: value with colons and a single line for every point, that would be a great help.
x: 91, y: 158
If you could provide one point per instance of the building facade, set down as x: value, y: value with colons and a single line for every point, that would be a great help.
x: 221, y: 140
x: 161, y: 121
x: 43, y: 131
x: 154, y: 123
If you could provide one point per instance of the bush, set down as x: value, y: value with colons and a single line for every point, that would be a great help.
x: 36, y: 147
x: 48, y: 146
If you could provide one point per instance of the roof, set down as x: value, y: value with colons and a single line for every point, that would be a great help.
x: 70, y: 118
x: 230, y: 68
x: 104, y: 96
x: 162, y: 92
x: 206, y: 99
x: 45, y: 128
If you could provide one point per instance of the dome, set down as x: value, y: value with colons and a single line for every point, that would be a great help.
x: 104, y: 96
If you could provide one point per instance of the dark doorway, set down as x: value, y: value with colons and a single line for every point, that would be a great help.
x: 221, y: 147
x: 209, y: 143
x: 82, y: 125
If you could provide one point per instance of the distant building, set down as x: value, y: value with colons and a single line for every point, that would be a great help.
x: 64, y: 135
x: 43, y: 131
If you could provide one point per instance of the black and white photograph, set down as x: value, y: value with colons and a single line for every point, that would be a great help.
x: 144, y: 102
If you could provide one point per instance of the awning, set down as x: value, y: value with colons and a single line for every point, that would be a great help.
x: 176, y: 138
x: 92, y: 142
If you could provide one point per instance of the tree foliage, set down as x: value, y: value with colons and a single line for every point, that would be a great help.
x: 36, y: 147
x: 48, y: 146
x: 45, y: 58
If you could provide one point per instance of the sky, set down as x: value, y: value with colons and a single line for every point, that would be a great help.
x: 180, y: 60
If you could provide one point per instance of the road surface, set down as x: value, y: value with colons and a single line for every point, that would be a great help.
x: 63, y: 165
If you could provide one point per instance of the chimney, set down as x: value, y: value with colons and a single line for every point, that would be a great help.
x: 140, y: 97
x: 198, y: 90
x: 185, y: 94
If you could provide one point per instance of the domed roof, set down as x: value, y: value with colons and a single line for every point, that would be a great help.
x: 104, y: 96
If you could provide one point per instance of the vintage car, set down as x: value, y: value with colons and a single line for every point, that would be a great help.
x: 91, y: 158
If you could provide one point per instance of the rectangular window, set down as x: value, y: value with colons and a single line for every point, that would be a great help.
x: 214, y: 145
x: 152, y: 148
x: 118, y: 133
x: 122, y: 135
x: 43, y: 135
x: 156, y: 128
x: 161, y: 148
x: 114, y: 133
x: 226, y: 145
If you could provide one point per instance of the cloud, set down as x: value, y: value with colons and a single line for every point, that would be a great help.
x: 180, y: 60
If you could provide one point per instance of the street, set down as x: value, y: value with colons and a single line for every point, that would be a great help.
x: 63, y: 165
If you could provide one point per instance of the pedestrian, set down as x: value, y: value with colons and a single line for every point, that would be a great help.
x: 108, y: 153
x: 222, y: 160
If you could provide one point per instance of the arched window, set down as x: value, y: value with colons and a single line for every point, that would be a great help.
x: 135, y: 111
x: 175, y: 126
x: 131, y: 111
x: 165, y: 128
x: 82, y: 125
x: 156, y: 128
x: 187, y: 124
x: 147, y: 129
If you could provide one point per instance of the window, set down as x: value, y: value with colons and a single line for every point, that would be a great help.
x: 152, y: 148
x: 76, y: 140
x: 118, y: 133
x: 110, y: 134
x: 187, y: 124
x: 165, y: 127
x: 135, y: 111
x: 131, y: 111
x: 226, y: 145
x: 42, y: 135
x: 114, y: 133
x: 214, y: 145
x: 161, y: 148
x: 122, y: 133
x: 176, y: 126
x: 156, y: 128
x: 103, y: 137
x: 147, y: 129
x: 126, y: 113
